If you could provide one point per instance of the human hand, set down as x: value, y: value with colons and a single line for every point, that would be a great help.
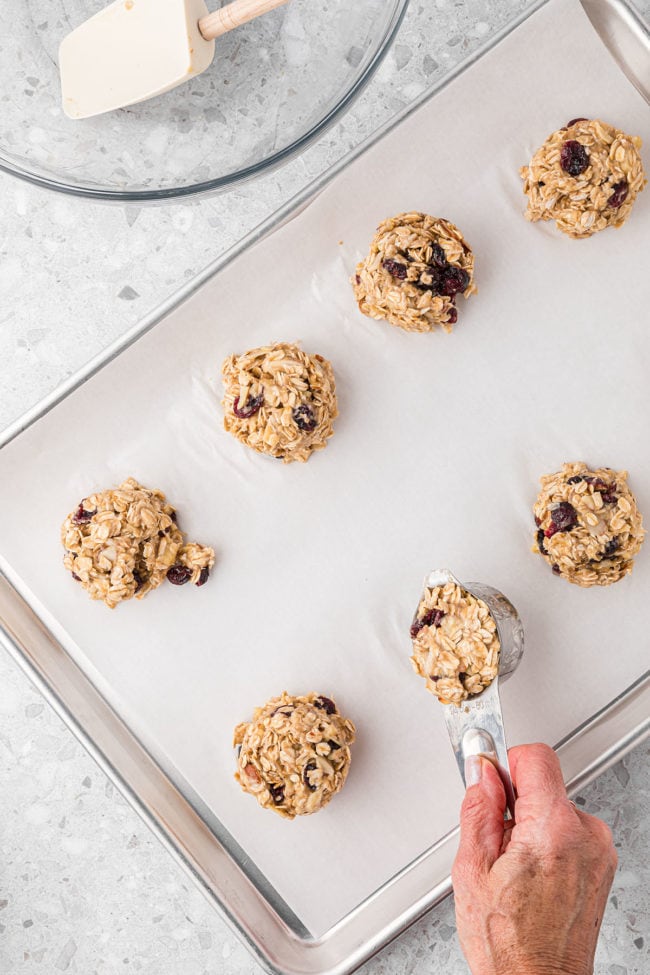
x: 530, y: 898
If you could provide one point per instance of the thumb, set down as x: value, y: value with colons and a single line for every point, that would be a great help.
x: 481, y: 815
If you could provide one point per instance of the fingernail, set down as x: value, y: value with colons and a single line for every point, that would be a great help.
x: 473, y: 770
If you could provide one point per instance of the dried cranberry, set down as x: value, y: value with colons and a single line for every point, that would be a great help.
x: 574, y: 121
x: 303, y: 417
x: 612, y: 546
x: 435, y: 284
x: 334, y: 745
x: 251, y: 407
x: 433, y: 617
x: 455, y: 280
x: 277, y: 794
x: 357, y: 279
x: 564, y: 517
x: 453, y: 316
x: 538, y: 521
x: 434, y: 677
x: 76, y: 577
x: 283, y: 709
x: 551, y: 530
x: 179, y: 574
x: 325, y: 704
x: 606, y: 491
x: 619, y: 196
x: 309, y: 767
x: 555, y: 569
x: 574, y: 158
x: 395, y: 268
x: 204, y: 575
x: 596, y: 483
x: 81, y: 516
x: 139, y: 580
x: 540, y: 541
x: 172, y: 515
x: 575, y: 479
x: 438, y: 256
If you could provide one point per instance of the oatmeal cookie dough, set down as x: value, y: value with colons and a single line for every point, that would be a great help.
x: 586, y: 177
x: 124, y: 542
x: 455, y: 643
x: 588, y: 525
x: 416, y: 268
x: 295, y: 753
x: 279, y: 400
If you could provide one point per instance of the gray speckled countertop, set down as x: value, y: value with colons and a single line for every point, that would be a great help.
x: 83, y: 886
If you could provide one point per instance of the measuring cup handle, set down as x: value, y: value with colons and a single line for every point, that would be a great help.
x: 476, y: 741
x: 476, y: 728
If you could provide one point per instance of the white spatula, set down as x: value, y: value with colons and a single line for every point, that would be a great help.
x: 135, y: 49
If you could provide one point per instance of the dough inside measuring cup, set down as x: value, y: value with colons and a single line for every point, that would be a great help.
x: 455, y: 643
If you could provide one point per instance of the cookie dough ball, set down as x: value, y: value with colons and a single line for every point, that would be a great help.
x: 294, y: 755
x: 588, y: 525
x: 416, y: 268
x: 122, y: 543
x: 586, y: 177
x: 279, y: 400
x: 455, y: 643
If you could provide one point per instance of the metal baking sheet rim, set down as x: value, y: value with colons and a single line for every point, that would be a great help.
x: 280, y: 946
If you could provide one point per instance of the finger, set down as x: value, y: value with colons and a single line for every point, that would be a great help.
x: 481, y: 818
x: 537, y: 778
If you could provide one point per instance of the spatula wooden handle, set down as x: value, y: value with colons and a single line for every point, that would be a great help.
x: 234, y: 15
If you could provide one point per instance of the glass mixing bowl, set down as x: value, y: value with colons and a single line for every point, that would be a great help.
x: 275, y: 84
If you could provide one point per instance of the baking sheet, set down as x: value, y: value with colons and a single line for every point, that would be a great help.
x: 434, y: 462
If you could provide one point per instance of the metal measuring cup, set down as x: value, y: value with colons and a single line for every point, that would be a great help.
x: 475, y: 726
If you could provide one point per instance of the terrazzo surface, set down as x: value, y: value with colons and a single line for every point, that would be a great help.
x: 84, y: 887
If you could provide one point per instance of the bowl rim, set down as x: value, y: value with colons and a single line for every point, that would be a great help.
x: 236, y: 177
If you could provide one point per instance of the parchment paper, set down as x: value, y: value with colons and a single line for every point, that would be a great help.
x: 435, y: 462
